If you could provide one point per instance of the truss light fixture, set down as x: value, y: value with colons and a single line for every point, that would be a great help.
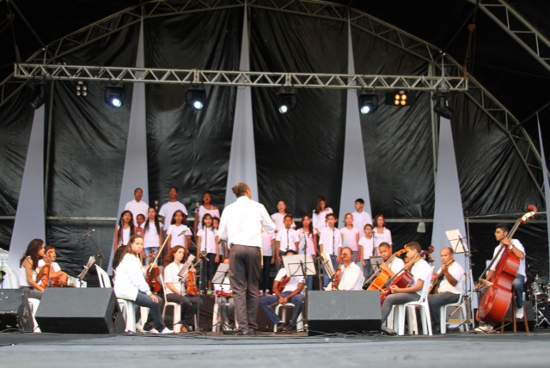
x: 286, y: 100
x: 441, y: 104
x: 81, y: 89
x: 368, y: 103
x: 196, y: 97
x: 114, y: 96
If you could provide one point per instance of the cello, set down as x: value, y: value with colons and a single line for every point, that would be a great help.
x: 382, y: 277
x: 496, y: 300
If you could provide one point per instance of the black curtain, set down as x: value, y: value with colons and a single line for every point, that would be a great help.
x: 298, y: 155
x: 397, y: 142
x: 15, y: 128
x: 186, y: 148
x: 88, y: 144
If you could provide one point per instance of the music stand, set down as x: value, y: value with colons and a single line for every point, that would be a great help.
x: 375, y: 263
x: 326, y: 262
x: 459, y: 246
x: 221, y: 273
x: 300, y: 266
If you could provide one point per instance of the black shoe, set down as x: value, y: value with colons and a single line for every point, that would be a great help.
x: 281, y: 327
x: 289, y: 328
x: 246, y: 333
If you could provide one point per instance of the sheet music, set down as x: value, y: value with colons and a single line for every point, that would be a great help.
x: 456, y: 241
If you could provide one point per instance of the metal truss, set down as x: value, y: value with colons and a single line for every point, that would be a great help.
x: 520, y: 29
x: 240, y: 78
x: 520, y: 139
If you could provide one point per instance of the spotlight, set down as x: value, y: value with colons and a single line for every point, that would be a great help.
x: 81, y: 89
x: 286, y: 100
x: 441, y: 105
x: 398, y: 98
x: 114, y: 96
x: 196, y: 97
x: 368, y: 102
x: 39, y: 93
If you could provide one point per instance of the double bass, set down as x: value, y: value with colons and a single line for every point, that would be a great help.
x: 497, y: 297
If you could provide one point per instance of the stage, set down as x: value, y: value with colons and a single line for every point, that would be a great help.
x: 455, y: 350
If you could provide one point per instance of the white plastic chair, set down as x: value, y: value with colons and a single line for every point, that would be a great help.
x: 176, y: 307
x: 104, y: 280
x: 284, y: 318
x: 422, y: 305
x: 461, y: 304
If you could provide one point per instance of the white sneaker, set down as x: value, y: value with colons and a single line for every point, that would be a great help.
x: 154, y: 331
x: 519, y: 313
x: 166, y: 331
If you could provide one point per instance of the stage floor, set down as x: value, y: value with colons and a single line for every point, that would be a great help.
x: 464, y: 350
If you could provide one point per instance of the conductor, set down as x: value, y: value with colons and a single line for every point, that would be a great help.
x: 241, y: 226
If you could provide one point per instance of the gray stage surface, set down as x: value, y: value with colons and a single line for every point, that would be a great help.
x: 465, y: 351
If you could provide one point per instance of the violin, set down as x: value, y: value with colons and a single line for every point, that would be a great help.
x: 281, y: 285
x: 192, y: 289
x: 153, y: 271
x: 337, y: 279
x: 496, y: 300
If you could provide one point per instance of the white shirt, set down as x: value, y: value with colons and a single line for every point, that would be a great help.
x: 22, y: 277
x: 517, y: 244
x: 151, y: 237
x: 171, y: 276
x: 178, y: 232
x: 330, y: 239
x: 129, y: 278
x: 136, y: 208
x: 208, y: 240
x: 350, y: 238
x: 457, y: 272
x: 422, y: 271
x: 320, y: 219
x: 352, y: 277
x: 287, y: 239
x: 360, y: 219
x: 214, y: 212
x: 384, y: 237
x: 242, y: 223
x: 397, y: 265
x: 126, y: 234
x: 55, y: 266
x: 167, y: 210
x: 368, y: 246
x: 279, y: 220
x: 292, y: 284
x: 267, y: 244
x: 306, y: 239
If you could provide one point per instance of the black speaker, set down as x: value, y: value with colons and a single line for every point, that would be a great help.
x: 10, y: 302
x: 343, y: 311
x: 79, y: 310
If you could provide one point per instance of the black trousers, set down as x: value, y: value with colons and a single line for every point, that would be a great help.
x: 189, y: 307
x: 244, y: 276
x: 265, y: 283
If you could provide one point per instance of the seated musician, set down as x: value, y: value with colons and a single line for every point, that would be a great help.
x: 130, y: 284
x: 448, y: 285
x: 57, y: 277
x: 349, y: 275
x: 422, y: 275
x: 514, y: 245
x: 29, y: 268
x: 174, y: 286
x: 286, y: 290
x: 396, y: 265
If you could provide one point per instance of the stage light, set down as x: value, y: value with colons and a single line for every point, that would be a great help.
x: 196, y: 97
x: 398, y: 98
x: 286, y: 100
x: 368, y: 102
x: 39, y: 93
x: 441, y: 105
x: 114, y: 96
x: 81, y: 89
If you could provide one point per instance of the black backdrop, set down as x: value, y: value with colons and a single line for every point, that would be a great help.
x: 298, y: 155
